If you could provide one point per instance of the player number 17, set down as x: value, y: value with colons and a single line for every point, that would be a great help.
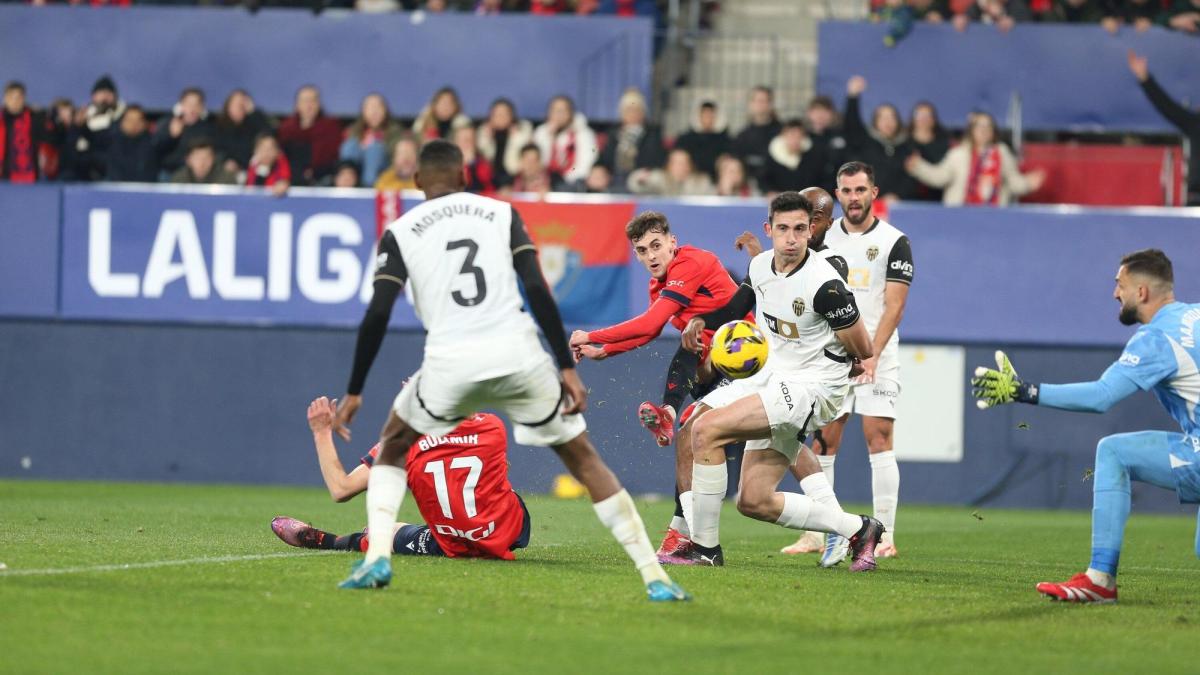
x: 438, y: 469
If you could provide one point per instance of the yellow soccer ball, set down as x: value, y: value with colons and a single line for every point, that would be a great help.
x: 739, y: 349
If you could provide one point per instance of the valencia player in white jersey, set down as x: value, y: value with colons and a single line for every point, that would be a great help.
x: 880, y: 263
x: 814, y: 332
x: 465, y: 256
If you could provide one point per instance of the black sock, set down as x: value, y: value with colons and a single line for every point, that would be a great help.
x: 681, y: 376
x: 349, y: 542
x: 678, y: 506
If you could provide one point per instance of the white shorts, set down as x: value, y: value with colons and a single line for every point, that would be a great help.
x: 873, y: 399
x: 794, y: 409
x: 435, y: 402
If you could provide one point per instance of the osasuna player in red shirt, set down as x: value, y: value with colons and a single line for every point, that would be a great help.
x: 459, y: 481
x: 684, y: 282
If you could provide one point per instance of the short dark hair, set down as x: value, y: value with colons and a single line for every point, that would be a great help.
x: 822, y: 102
x: 193, y: 90
x: 788, y: 201
x: 708, y: 105
x: 794, y: 123
x: 645, y: 222
x: 855, y: 167
x: 440, y: 155
x: 264, y: 136
x: 531, y: 146
x: 201, y: 143
x: 134, y: 107
x: 764, y: 89
x: 14, y: 84
x: 1151, y: 262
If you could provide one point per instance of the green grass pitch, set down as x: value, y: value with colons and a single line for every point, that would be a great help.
x: 960, y: 600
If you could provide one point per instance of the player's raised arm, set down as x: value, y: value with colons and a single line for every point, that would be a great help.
x: 341, y: 486
x: 1002, y: 385
x: 545, y: 312
x: 390, y: 276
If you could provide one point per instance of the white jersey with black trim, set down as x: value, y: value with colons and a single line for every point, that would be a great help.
x: 880, y: 254
x: 799, y: 312
x: 458, y: 252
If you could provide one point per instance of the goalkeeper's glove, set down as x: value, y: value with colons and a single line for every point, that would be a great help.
x: 995, y: 387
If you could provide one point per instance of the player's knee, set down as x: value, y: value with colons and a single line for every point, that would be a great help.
x: 706, y: 432
x: 753, y: 506
x: 1106, y: 452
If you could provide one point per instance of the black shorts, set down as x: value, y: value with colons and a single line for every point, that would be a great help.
x: 419, y: 540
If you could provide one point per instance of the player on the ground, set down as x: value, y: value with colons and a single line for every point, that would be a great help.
x: 814, y: 334
x: 685, y: 281
x: 465, y: 254
x: 459, y: 481
x: 1161, y: 356
x: 880, y: 264
x: 822, y: 219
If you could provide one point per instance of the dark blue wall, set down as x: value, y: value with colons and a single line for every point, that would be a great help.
x: 1068, y: 77
x: 167, y: 403
x: 154, y: 52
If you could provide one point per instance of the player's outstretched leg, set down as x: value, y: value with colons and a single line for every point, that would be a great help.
x: 302, y: 535
x: 679, y: 535
x: 615, y: 508
x: 386, y: 486
x: 1143, y: 456
x: 659, y: 421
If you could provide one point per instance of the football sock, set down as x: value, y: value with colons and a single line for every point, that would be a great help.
x: 386, y: 486
x: 686, y: 500
x: 709, y: 484
x: 826, y: 462
x: 620, y: 516
x: 350, y: 542
x: 1142, y: 456
x: 885, y: 487
x: 327, y: 540
x: 818, y: 489
x: 803, y: 513
x: 678, y: 505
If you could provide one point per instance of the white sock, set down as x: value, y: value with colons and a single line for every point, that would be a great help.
x: 709, y: 484
x: 826, y: 462
x: 885, y: 486
x: 803, y: 513
x: 1104, y: 579
x: 686, y: 501
x: 385, y: 491
x: 680, y: 525
x: 817, y: 487
x: 620, y: 516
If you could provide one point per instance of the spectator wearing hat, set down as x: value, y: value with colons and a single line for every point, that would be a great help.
x: 269, y: 166
x: 634, y: 143
x: 401, y: 175
x: 87, y: 143
x: 237, y: 128
x: 130, y: 156
x: 200, y: 166
x: 310, y: 138
x: 22, y: 133
x: 178, y: 131
x: 707, y: 139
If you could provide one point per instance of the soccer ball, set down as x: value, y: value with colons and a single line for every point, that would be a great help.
x: 739, y: 349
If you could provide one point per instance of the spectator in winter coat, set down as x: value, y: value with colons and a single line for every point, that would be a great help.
x: 762, y: 125
x: 237, y: 128
x: 678, y: 178
x: 480, y: 178
x: 201, y: 168
x: 441, y: 117
x: 566, y: 141
x: 1187, y: 121
x: 176, y: 133
x: 401, y: 175
x: 793, y: 161
x: 980, y: 171
x: 732, y: 180
x: 90, y: 139
x: 824, y: 125
x: 309, y: 138
x: 930, y: 140
x: 532, y: 176
x: 634, y: 143
x: 884, y: 146
x: 269, y: 167
x: 502, y: 138
x: 22, y: 132
x: 1076, y: 11
x: 1141, y: 14
x: 369, y: 141
x: 130, y: 155
x: 707, y: 139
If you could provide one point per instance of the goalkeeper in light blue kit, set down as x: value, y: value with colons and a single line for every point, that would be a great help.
x: 1161, y: 356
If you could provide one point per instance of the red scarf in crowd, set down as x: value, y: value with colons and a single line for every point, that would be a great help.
x: 562, y: 155
x: 23, y: 167
x: 280, y: 171
x: 983, y: 183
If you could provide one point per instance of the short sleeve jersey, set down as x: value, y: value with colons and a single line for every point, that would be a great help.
x: 1163, y: 356
x: 799, y: 311
x: 875, y: 257
x: 456, y: 253
x: 460, y: 484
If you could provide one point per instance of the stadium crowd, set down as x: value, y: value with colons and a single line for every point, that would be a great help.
x: 1181, y: 15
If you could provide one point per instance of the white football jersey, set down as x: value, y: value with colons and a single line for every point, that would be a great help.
x: 457, y: 252
x: 799, y: 313
x: 874, y: 257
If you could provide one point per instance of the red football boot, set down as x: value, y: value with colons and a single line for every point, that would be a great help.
x: 1078, y: 588
x: 659, y: 421
x: 673, y: 544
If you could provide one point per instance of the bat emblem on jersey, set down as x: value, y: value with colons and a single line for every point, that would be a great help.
x: 872, y: 253
x: 798, y: 306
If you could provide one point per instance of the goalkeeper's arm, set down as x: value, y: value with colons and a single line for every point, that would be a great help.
x: 995, y: 387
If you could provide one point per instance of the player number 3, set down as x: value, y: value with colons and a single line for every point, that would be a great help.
x: 469, y: 268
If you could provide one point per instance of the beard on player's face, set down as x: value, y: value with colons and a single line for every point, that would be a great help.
x: 864, y: 212
x: 1128, y: 315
